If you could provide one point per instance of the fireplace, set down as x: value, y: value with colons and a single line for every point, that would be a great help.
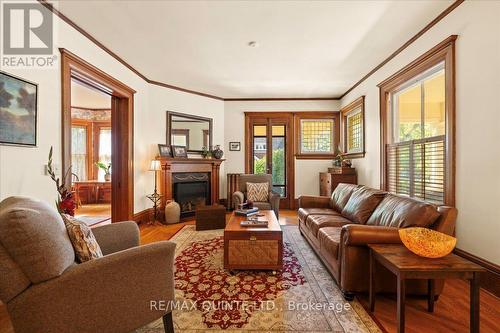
x: 191, y: 189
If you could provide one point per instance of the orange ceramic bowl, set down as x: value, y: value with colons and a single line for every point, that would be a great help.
x: 426, y: 242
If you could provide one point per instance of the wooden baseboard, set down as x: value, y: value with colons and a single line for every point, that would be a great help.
x: 144, y: 216
x: 490, y: 280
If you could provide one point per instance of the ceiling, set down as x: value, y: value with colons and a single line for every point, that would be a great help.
x: 85, y: 97
x: 305, y: 49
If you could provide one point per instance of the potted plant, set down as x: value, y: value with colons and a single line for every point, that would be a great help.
x: 106, y: 167
x: 65, y: 202
x: 339, y: 156
x: 206, y: 153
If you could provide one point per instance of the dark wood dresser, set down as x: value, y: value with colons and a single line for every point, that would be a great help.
x: 328, y: 181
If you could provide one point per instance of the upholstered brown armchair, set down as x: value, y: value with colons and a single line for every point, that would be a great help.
x: 240, y: 196
x: 45, y: 290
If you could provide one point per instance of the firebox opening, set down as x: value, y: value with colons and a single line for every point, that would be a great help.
x: 191, y: 190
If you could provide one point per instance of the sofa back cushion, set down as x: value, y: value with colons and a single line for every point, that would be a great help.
x: 34, y: 236
x: 362, y: 203
x: 341, y: 195
x: 400, y: 212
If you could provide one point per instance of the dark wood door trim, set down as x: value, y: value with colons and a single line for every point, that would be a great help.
x: 268, y: 119
x: 122, y: 123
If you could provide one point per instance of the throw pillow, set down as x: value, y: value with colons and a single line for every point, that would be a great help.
x: 258, y: 192
x: 82, y: 238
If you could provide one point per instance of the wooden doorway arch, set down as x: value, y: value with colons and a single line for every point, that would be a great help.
x: 122, y: 123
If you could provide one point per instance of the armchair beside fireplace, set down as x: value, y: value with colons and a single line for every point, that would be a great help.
x: 240, y: 196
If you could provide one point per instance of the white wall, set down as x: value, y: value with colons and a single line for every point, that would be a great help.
x: 22, y: 169
x: 306, y: 171
x: 477, y: 120
x: 154, y: 122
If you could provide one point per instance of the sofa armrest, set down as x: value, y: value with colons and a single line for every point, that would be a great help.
x: 107, y: 288
x: 358, y: 234
x: 116, y: 237
x: 311, y: 201
x: 238, y: 198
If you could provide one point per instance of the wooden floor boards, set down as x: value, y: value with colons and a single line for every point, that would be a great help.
x: 451, y: 310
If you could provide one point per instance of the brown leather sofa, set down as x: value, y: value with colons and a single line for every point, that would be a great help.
x: 339, y: 227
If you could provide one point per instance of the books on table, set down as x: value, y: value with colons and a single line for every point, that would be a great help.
x: 247, y: 211
x: 253, y: 223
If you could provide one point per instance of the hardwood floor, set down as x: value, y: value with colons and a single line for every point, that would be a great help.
x: 94, y: 210
x: 451, y: 313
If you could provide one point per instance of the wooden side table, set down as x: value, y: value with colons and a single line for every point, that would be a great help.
x: 407, y: 265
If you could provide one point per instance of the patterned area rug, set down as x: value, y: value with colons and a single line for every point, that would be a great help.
x: 301, y: 298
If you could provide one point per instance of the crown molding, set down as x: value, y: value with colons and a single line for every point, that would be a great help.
x: 63, y: 17
x: 405, y: 45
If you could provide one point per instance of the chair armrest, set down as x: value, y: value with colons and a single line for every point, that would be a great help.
x: 356, y: 234
x: 117, y: 289
x: 311, y: 201
x: 116, y: 237
x: 274, y: 200
x: 238, y: 198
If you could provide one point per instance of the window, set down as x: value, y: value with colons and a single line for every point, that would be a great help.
x: 90, y: 143
x: 418, y: 128
x: 104, y: 149
x: 353, y: 126
x: 79, y: 151
x: 318, y: 134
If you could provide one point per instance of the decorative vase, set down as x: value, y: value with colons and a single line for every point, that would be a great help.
x: 426, y: 242
x: 172, y: 212
x: 107, y: 177
x: 217, y: 152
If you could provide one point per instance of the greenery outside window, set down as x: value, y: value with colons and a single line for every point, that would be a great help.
x: 418, y: 127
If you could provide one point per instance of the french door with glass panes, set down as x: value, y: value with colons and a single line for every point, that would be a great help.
x: 269, y: 143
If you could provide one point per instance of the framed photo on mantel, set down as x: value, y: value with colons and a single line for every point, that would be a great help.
x: 179, y: 151
x: 165, y: 150
x: 18, y: 111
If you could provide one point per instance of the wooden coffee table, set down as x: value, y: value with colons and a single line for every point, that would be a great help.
x: 407, y: 265
x: 259, y: 248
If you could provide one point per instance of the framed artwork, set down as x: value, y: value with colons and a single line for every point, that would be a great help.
x: 353, y: 128
x: 18, y: 111
x: 179, y: 151
x: 234, y: 146
x: 165, y: 150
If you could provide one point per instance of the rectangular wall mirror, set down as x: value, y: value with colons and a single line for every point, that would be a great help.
x: 193, y: 132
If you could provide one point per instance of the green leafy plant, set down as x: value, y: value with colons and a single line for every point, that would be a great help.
x: 105, y: 167
x: 205, y: 152
x: 339, y: 156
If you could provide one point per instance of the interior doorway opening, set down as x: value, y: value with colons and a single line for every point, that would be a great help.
x: 91, y: 152
x: 111, y: 142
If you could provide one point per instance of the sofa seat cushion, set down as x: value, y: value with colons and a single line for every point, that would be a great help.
x: 262, y: 205
x: 329, y: 240
x: 400, y: 212
x: 305, y: 212
x: 341, y: 195
x: 362, y: 203
x: 316, y: 222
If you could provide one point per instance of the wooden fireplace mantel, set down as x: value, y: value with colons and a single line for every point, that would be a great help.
x: 174, y: 165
